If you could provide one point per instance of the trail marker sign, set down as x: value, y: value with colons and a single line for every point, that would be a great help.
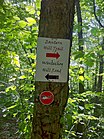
x: 46, y: 97
x: 52, y: 60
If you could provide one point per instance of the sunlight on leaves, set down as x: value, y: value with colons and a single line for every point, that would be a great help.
x: 70, y: 100
x: 15, y: 61
x: 11, y: 107
x: 30, y: 21
x: 22, y: 23
x: 30, y: 9
x: 12, y: 87
x: 16, y: 18
x: 81, y: 78
x: 22, y: 77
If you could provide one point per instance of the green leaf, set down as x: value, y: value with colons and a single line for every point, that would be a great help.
x: 89, y: 106
x: 16, y: 18
x: 92, y: 117
x: 32, y: 56
x: 81, y: 70
x: 78, y: 54
x: 89, y: 62
x: 81, y: 78
x: 22, y: 77
x: 14, y: 114
x: 101, y: 52
x: 87, y: 77
x: 11, y: 107
x: 12, y: 87
x: 78, y: 27
x: 38, y: 13
x: 70, y: 100
x: 30, y: 21
x: 38, y: 2
x: 94, y: 31
x: 22, y: 23
x: 30, y: 9
x: 73, y: 133
x: 15, y: 61
x: 66, y: 131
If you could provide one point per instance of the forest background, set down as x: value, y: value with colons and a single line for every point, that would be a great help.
x: 19, y: 20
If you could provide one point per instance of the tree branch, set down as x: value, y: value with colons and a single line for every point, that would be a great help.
x: 94, y: 6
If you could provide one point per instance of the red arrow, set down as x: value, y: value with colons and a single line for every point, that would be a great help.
x: 53, y: 55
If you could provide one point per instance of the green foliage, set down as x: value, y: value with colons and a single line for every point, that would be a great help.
x: 86, y: 108
x: 18, y: 35
x: 18, y: 41
x: 72, y: 116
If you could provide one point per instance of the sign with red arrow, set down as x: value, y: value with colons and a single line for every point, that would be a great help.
x: 53, y: 55
x: 52, y: 60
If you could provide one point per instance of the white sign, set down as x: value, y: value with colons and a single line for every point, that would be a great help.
x: 52, y: 60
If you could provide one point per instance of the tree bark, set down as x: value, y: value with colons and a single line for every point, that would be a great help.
x: 100, y: 82
x: 94, y: 87
x: 56, y: 21
x: 80, y: 128
x: 101, y: 68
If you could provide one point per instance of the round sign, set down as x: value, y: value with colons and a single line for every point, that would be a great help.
x: 46, y: 97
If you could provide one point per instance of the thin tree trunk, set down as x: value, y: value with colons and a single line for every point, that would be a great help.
x: 100, y: 78
x: 100, y: 82
x: 94, y: 87
x: 80, y: 126
x: 101, y: 67
x: 56, y: 21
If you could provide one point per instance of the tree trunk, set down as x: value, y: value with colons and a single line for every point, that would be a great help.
x: 56, y: 21
x: 80, y: 129
x: 94, y: 87
x: 101, y: 68
x: 100, y: 82
x: 100, y: 78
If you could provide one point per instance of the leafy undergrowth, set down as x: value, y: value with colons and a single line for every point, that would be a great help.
x: 8, y: 127
x: 8, y: 124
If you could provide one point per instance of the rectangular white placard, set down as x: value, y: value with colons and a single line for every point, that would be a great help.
x: 52, y: 60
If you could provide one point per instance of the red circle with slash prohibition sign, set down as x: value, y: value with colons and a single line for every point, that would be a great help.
x: 46, y: 97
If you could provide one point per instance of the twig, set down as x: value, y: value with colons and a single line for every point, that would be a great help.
x: 94, y: 6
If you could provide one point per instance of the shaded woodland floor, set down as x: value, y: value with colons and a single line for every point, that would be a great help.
x: 8, y: 125
x: 8, y: 128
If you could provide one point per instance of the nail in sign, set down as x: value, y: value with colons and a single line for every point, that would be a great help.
x: 46, y: 97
